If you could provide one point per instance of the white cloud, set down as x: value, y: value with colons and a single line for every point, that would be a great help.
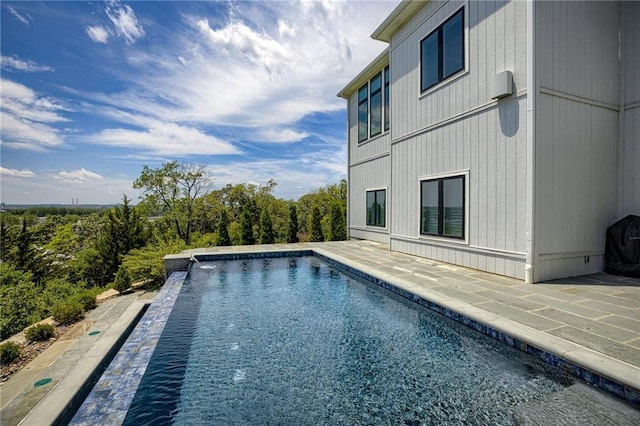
x: 164, y: 139
x: 24, y: 173
x: 278, y: 135
x: 98, y: 33
x: 17, y: 15
x: 10, y: 63
x: 125, y: 22
x: 237, y: 37
x: 28, y: 118
x: 78, y: 176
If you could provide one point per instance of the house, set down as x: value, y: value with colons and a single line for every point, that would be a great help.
x: 498, y: 135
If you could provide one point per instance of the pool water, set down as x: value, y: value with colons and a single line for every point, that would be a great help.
x: 295, y: 341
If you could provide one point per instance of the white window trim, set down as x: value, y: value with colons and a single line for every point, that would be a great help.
x: 386, y: 210
x: 467, y: 203
x: 460, y: 73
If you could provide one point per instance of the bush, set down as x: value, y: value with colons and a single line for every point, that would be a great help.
x: 122, y: 281
x: 21, y: 307
x: 58, y: 291
x: 68, y: 312
x: 40, y: 332
x: 8, y: 352
x: 87, y: 299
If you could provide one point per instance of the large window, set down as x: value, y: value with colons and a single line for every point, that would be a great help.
x: 442, y: 201
x: 442, y: 52
x: 376, y: 202
x: 373, y: 106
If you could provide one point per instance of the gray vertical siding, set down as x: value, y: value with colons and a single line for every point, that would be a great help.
x: 457, y: 127
x: 576, y: 134
x: 374, y: 174
x: 629, y: 161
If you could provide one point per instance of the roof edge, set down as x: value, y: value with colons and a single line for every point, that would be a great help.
x: 398, y: 17
x: 381, y: 60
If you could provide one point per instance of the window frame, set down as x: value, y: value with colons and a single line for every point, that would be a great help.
x: 365, y: 102
x: 441, y: 212
x: 439, y: 31
x: 385, y: 95
x: 376, y: 219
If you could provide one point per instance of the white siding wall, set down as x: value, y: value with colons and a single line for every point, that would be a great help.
x: 629, y: 160
x: 576, y: 134
x: 456, y: 127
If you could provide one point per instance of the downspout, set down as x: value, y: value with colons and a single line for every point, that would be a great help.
x: 348, y: 169
x: 621, y: 112
x: 532, y: 93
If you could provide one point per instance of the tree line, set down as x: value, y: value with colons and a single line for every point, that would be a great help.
x: 46, y: 261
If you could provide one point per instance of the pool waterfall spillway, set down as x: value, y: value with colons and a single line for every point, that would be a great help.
x: 575, y: 359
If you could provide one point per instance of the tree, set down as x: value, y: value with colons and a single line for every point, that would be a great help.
x: 315, y: 225
x: 223, y: 229
x: 338, y: 223
x: 292, y: 234
x: 124, y: 231
x: 247, y: 228
x: 24, y: 248
x: 174, y: 187
x: 266, y: 228
x: 122, y: 280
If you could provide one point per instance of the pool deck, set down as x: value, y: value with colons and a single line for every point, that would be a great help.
x: 593, y: 321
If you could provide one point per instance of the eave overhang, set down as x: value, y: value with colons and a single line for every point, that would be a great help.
x: 381, y: 61
x: 400, y: 15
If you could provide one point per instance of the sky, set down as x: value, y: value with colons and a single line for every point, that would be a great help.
x: 93, y: 91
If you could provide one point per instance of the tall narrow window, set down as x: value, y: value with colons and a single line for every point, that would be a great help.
x: 363, y: 113
x: 442, y: 52
x: 376, y: 207
x: 376, y: 105
x: 442, y: 212
x: 386, y: 98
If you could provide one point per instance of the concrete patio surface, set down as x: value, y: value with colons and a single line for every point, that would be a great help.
x: 593, y: 321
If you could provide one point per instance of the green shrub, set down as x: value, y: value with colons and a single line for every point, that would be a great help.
x: 87, y: 299
x: 122, y: 281
x: 8, y: 352
x: 40, y: 332
x: 58, y: 291
x: 21, y: 307
x: 68, y: 312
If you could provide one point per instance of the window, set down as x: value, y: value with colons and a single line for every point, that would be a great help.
x: 376, y: 207
x: 442, y: 52
x: 386, y: 98
x: 442, y: 212
x: 373, y: 106
x: 363, y: 113
x: 376, y: 105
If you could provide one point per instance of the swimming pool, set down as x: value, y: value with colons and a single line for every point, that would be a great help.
x: 295, y: 341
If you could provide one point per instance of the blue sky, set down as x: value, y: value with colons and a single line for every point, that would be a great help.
x: 92, y: 91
